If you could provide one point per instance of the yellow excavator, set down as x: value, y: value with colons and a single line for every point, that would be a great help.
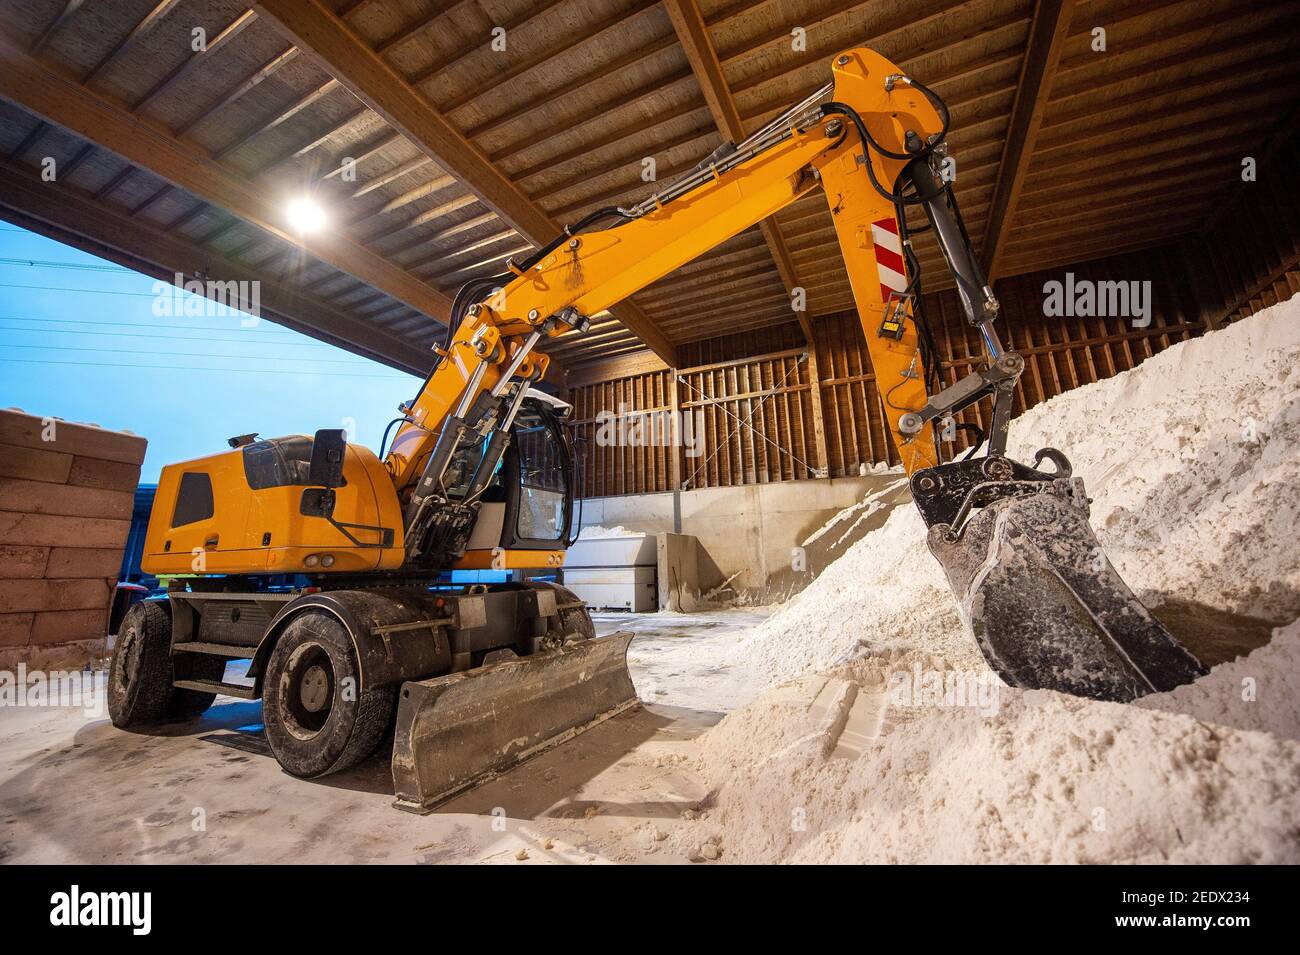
x: 474, y: 678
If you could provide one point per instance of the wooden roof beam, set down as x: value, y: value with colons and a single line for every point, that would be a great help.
x: 1047, y: 35
x: 700, y: 52
x: 94, y: 117
x: 142, y: 27
x: 315, y: 30
x: 69, y: 8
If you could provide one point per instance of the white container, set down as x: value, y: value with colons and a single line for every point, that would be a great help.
x: 614, y: 588
x: 635, y: 550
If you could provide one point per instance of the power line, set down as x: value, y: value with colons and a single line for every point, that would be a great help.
x: 163, y: 338
x: 173, y: 338
x: 232, y: 371
x: 48, y: 264
x: 197, y: 328
x: 92, y: 291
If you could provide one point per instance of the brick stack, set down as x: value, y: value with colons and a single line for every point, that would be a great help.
x: 66, y: 493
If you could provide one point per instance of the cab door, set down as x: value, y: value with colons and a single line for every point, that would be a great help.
x: 537, y: 472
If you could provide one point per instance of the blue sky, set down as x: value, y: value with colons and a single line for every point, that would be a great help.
x: 80, y: 340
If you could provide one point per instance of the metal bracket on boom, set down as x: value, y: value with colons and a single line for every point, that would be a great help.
x: 999, y: 380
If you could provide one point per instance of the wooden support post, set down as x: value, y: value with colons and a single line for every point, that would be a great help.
x: 675, y: 461
x: 1047, y: 34
x: 819, y: 425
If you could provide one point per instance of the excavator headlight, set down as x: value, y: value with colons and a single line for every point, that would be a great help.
x: 311, y: 560
x: 327, y: 560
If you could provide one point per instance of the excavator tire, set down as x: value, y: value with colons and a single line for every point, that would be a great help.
x: 320, y: 717
x: 140, y: 673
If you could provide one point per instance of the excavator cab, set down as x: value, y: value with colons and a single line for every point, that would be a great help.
x: 525, y: 512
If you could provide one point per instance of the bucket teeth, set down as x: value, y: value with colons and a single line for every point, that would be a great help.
x: 1046, y: 607
x: 456, y: 731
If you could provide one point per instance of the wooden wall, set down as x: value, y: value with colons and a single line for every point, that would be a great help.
x: 1248, y: 257
x: 717, y: 391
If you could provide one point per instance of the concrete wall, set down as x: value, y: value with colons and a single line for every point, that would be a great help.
x: 677, y: 570
x: 747, y: 534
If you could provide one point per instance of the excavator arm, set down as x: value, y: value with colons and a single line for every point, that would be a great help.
x: 1046, y: 609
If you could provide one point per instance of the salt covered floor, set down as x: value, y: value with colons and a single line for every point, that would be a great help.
x: 210, y: 791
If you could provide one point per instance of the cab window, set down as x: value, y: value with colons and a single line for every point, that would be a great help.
x: 279, y: 462
x: 542, y: 483
x: 193, y: 499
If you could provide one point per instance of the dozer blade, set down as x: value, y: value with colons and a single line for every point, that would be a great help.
x: 454, y: 732
x: 1047, y: 608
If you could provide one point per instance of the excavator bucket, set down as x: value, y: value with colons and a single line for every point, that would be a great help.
x: 1046, y: 607
x: 454, y: 732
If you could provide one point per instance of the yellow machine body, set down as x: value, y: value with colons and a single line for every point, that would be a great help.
x: 207, y: 518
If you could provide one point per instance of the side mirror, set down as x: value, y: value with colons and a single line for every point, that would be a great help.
x: 327, y: 450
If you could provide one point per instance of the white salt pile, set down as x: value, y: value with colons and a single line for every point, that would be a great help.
x: 1048, y: 778
x: 597, y: 532
x: 873, y: 503
x: 1193, y: 460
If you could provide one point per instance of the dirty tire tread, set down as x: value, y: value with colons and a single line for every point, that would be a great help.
x: 373, y: 709
x: 374, y: 717
x: 577, y: 620
x: 153, y: 685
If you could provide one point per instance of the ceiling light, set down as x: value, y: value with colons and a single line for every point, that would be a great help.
x: 305, y: 215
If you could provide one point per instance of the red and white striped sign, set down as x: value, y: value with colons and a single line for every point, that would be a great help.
x: 889, y: 257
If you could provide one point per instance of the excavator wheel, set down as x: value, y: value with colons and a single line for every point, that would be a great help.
x: 140, y: 674
x: 320, y: 717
